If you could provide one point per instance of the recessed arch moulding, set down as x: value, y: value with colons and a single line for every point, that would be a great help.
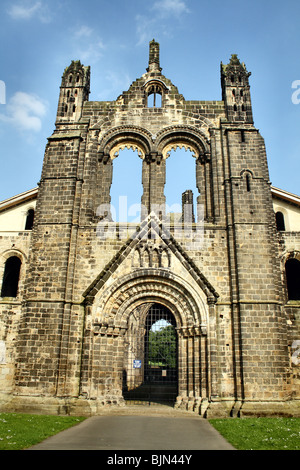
x: 115, y: 320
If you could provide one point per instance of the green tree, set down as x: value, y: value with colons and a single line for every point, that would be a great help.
x: 162, y: 347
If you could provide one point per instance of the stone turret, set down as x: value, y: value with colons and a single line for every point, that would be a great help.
x: 236, y: 91
x: 74, y: 91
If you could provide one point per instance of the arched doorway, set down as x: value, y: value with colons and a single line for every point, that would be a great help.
x: 150, y: 373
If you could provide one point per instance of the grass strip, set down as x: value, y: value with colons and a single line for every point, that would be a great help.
x: 260, y: 433
x: 20, y: 431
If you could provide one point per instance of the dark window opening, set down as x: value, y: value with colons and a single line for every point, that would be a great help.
x: 292, y: 270
x: 280, y: 221
x: 248, y: 183
x: 29, y: 219
x: 243, y: 136
x: 11, y: 277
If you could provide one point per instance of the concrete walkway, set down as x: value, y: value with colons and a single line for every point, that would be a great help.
x: 139, y: 428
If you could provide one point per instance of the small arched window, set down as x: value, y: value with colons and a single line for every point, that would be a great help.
x: 248, y: 182
x: 11, y: 277
x: 280, y: 221
x: 292, y: 271
x: 154, y: 95
x: 29, y: 219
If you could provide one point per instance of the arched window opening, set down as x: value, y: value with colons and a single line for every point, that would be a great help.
x: 280, y: 224
x: 181, y: 192
x: 11, y: 276
x: 29, y: 219
x: 248, y: 182
x: 292, y: 270
x: 154, y: 96
x: 126, y: 189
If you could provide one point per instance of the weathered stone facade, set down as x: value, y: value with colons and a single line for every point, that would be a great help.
x: 90, y: 281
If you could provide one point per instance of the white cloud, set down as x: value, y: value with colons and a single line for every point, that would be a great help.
x: 117, y: 83
x: 25, y: 10
x: 84, y: 31
x: 170, y: 7
x: 145, y: 28
x: 92, y: 51
x: 25, y: 111
x: 87, y: 44
x: 153, y: 24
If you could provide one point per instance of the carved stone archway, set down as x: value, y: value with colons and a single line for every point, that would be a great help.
x: 109, y: 317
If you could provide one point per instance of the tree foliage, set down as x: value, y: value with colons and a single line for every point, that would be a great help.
x: 162, y: 347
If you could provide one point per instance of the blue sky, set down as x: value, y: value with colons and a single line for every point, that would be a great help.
x: 39, y: 38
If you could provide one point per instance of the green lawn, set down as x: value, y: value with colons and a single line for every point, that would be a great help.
x: 260, y: 433
x: 20, y: 431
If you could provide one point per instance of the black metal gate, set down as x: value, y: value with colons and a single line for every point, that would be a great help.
x: 151, y: 372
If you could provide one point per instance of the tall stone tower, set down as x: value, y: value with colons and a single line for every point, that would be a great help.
x: 96, y: 288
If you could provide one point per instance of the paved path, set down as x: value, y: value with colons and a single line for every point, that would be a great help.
x: 139, y: 429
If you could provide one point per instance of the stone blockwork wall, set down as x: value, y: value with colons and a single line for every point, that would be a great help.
x: 289, y: 243
x: 14, y: 244
x: 87, y: 278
